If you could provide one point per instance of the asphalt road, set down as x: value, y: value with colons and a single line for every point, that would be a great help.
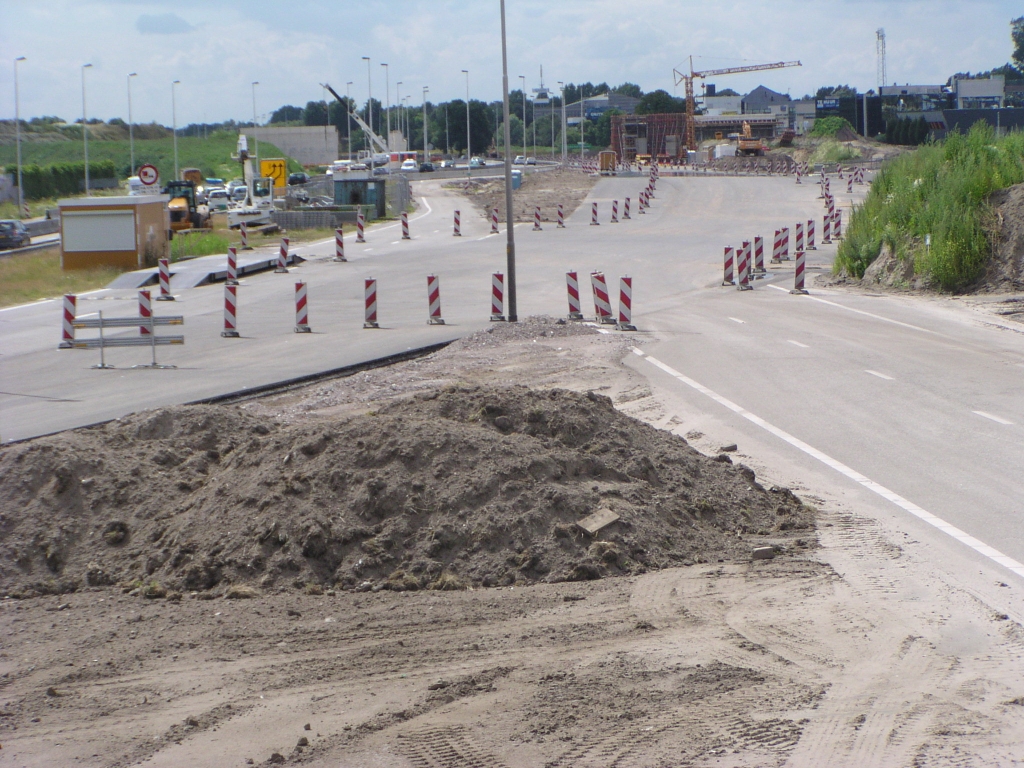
x: 907, y: 408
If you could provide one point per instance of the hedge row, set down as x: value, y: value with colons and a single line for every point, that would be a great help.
x: 43, y: 181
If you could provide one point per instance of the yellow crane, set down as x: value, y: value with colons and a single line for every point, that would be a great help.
x: 691, y: 103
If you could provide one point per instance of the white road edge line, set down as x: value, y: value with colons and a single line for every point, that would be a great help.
x: 996, y: 419
x: 879, y: 375
x: 797, y: 343
x: 737, y: 320
x: 862, y: 312
x: 962, y: 536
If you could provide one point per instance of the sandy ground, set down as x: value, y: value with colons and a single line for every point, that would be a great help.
x: 546, y: 189
x: 856, y: 652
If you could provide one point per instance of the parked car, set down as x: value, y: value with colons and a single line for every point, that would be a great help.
x: 357, y: 167
x: 476, y: 162
x: 238, y: 194
x: 520, y: 160
x: 447, y: 163
x: 381, y: 171
x: 13, y: 234
x: 298, y: 178
x: 531, y: 161
x: 426, y: 167
x: 409, y: 166
x: 235, y: 184
x: 219, y: 200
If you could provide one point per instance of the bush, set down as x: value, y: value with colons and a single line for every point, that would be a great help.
x: 63, y: 178
x: 941, y: 190
x: 832, y: 151
x: 829, y: 126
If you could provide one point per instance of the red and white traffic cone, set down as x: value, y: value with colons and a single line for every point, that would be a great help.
x: 837, y: 224
x: 370, y: 303
x: 360, y: 226
x: 602, y: 304
x: 798, y: 274
x: 243, y: 229
x: 727, y: 278
x: 561, y: 217
x: 434, y: 301
x: 799, y: 244
x: 165, y: 280
x: 282, y: 257
x: 494, y: 221
x: 405, y: 226
x: 625, y: 209
x: 572, y: 285
x: 145, y: 313
x: 497, y: 297
x: 615, y: 211
x: 339, y: 245
x: 301, y: 309
x: 232, y: 275
x: 743, y: 256
x: 810, y: 236
x: 458, y: 224
x: 777, y: 247
x: 625, y: 322
x: 536, y: 219
x: 759, y: 255
x: 593, y: 215
x: 230, y: 312
x: 67, y: 331
x: 784, y: 253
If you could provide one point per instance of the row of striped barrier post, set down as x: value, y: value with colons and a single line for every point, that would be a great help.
x: 602, y: 301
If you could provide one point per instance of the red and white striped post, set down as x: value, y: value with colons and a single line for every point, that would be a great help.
x: 759, y: 255
x: 497, y: 297
x: 593, y: 215
x: 839, y: 170
x: 360, y: 226
x: 494, y: 221
x: 784, y: 253
x: 232, y: 276
x: 625, y: 209
x: 165, y: 280
x: 727, y: 278
x: 799, y: 245
x: 339, y: 245
x: 798, y: 175
x: 810, y: 236
x: 370, y: 303
x: 243, y: 229
x: 230, y: 312
x: 777, y: 247
x: 301, y: 309
x: 602, y: 304
x: 642, y: 202
x: 615, y: 211
x: 849, y: 185
x: 405, y: 226
x: 572, y: 285
x: 434, y: 301
x: 145, y: 312
x: 743, y: 256
x: 536, y: 219
x: 798, y: 274
x: 282, y: 257
x: 561, y: 217
x: 458, y: 224
x: 837, y: 224
x: 826, y: 229
x: 67, y: 331
x: 625, y: 322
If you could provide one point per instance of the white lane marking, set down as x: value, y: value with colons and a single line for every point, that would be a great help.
x: 396, y: 242
x: 737, y: 320
x: 996, y: 419
x: 862, y: 312
x: 798, y: 344
x: 879, y: 375
x: 30, y: 304
x: 398, y: 223
x: 962, y: 536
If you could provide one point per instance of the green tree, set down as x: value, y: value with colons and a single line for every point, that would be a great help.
x: 629, y: 89
x: 1017, y: 35
x: 659, y: 103
x: 315, y: 113
x: 602, y: 135
x: 836, y: 92
x: 286, y: 114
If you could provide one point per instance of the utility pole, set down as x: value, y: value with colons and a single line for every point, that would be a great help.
x: 255, y: 141
x: 523, y: 79
x: 369, y: 104
x: 387, y: 90
x: 348, y: 116
x: 510, y: 234
x: 17, y: 134
x: 131, y: 132
x: 174, y: 122
x: 426, y: 155
x: 85, y: 131
x: 469, y: 141
x: 565, y: 144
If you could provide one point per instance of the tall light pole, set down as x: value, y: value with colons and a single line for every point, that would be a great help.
x: 131, y: 129
x: 469, y: 143
x: 565, y: 141
x: 348, y: 116
x: 523, y: 79
x: 17, y: 135
x: 398, y: 103
x: 174, y: 122
x: 369, y: 103
x: 85, y: 131
x: 447, y: 142
x: 510, y: 247
x: 426, y: 157
x: 387, y: 92
x: 255, y: 141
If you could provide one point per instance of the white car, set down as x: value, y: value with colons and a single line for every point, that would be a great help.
x: 409, y: 166
x: 219, y: 200
x: 520, y: 160
x: 476, y: 162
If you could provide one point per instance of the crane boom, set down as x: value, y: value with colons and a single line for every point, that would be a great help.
x: 691, y: 102
x: 374, y: 138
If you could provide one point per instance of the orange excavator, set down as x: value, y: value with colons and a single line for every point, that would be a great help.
x: 748, y: 145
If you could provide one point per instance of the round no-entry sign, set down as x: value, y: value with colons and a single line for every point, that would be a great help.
x: 148, y: 174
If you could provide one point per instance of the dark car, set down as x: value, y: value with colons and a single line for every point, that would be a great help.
x: 381, y: 171
x: 14, y: 235
x: 426, y: 167
x: 298, y: 178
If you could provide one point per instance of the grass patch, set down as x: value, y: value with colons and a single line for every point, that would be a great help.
x: 830, y: 126
x: 188, y: 246
x: 832, y: 151
x: 941, y: 190
x: 38, y: 275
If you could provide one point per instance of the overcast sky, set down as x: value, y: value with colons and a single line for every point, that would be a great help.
x: 216, y: 49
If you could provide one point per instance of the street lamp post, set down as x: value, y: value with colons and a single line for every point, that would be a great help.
x: 426, y: 157
x: 510, y: 248
x: 469, y: 142
x: 387, y: 92
x: 447, y: 142
x: 85, y: 131
x: 131, y: 129
x: 398, y: 103
x: 523, y: 79
x: 348, y: 116
x: 174, y: 122
x: 565, y: 141
x: 17, y: 139
x: 255, y: 141
x: 369, y: 104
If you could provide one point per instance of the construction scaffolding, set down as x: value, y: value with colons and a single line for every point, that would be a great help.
x: 646, y: 137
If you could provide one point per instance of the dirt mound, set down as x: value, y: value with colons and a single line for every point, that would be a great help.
x: 1005, y: 270
x: 543, y: 188
x: 453, y: 487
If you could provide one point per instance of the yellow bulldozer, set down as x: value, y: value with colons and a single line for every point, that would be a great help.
x: 184, y: 211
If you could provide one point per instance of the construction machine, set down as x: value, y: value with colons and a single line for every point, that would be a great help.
x: 257, y: 208
x: 747, y: 145
x: 185, y: 213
